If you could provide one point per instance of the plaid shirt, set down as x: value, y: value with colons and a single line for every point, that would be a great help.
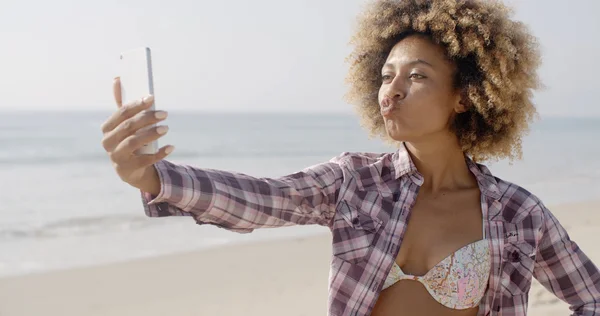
x: 365, y: 199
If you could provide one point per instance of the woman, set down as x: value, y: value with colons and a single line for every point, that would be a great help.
x: 424, y: 230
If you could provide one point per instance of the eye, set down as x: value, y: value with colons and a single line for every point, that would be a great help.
x: 417, y: 76
x: 386, y: 78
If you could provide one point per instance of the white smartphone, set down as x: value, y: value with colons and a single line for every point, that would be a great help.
x: 136, y: 83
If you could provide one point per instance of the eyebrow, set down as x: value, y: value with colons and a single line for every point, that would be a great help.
x: 411, y: 63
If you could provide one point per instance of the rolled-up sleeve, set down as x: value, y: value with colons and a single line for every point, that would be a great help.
x: 565, y: 270
x: 242, y: 203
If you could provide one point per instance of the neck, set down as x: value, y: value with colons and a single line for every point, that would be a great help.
x: 442, y: 164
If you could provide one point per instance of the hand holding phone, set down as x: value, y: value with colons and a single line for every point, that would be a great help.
x: 129, y: 131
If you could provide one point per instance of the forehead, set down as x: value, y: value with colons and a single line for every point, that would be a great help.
x: 418, y: 47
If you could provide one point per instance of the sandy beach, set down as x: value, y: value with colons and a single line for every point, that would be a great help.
x: 282, y: 277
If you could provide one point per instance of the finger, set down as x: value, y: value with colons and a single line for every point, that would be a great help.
x: 146, y: 137
x: 130, y: 127
x: 131, y: 144
x: 117, y: 91
x: 148, y: 160
x: 126, y: 112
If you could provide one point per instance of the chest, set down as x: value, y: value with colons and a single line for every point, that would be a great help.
x: 437, y: 226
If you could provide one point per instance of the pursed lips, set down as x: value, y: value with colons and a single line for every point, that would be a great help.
x: 387, y: 106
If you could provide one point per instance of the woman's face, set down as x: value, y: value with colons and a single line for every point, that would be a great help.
x: 417, y: 96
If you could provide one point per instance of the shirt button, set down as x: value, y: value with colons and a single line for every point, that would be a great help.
x: 355, y: 221
x: 515, y: 256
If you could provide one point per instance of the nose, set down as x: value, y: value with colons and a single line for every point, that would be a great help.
x: 397, y: 90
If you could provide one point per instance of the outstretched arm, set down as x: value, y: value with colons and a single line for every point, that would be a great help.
x: 242, y: 203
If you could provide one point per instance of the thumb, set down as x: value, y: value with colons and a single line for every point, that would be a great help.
x: 117, y: 91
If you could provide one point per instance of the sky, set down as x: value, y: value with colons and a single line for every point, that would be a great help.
x: 239, y: 55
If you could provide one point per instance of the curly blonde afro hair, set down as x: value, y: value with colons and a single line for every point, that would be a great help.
x: 496, y: 60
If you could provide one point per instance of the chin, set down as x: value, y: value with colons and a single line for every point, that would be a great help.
x: 397, y: 133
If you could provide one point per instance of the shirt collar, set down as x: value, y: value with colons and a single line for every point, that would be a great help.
x: 404, y: 166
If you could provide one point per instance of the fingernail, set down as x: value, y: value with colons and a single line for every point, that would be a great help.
x: 169, y: 149
x: 162, y: 129
x: 160, y: 115
x: 148, y: 99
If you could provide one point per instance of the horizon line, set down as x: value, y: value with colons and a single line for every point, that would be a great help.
x: 345, y: 113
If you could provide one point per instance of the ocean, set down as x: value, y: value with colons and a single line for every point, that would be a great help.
x: 62, y: 204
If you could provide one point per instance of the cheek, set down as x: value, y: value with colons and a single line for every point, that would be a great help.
x: 435, y: 102
x: 428, y: 108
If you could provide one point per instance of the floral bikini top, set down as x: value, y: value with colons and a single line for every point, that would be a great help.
x: 459, y: 281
